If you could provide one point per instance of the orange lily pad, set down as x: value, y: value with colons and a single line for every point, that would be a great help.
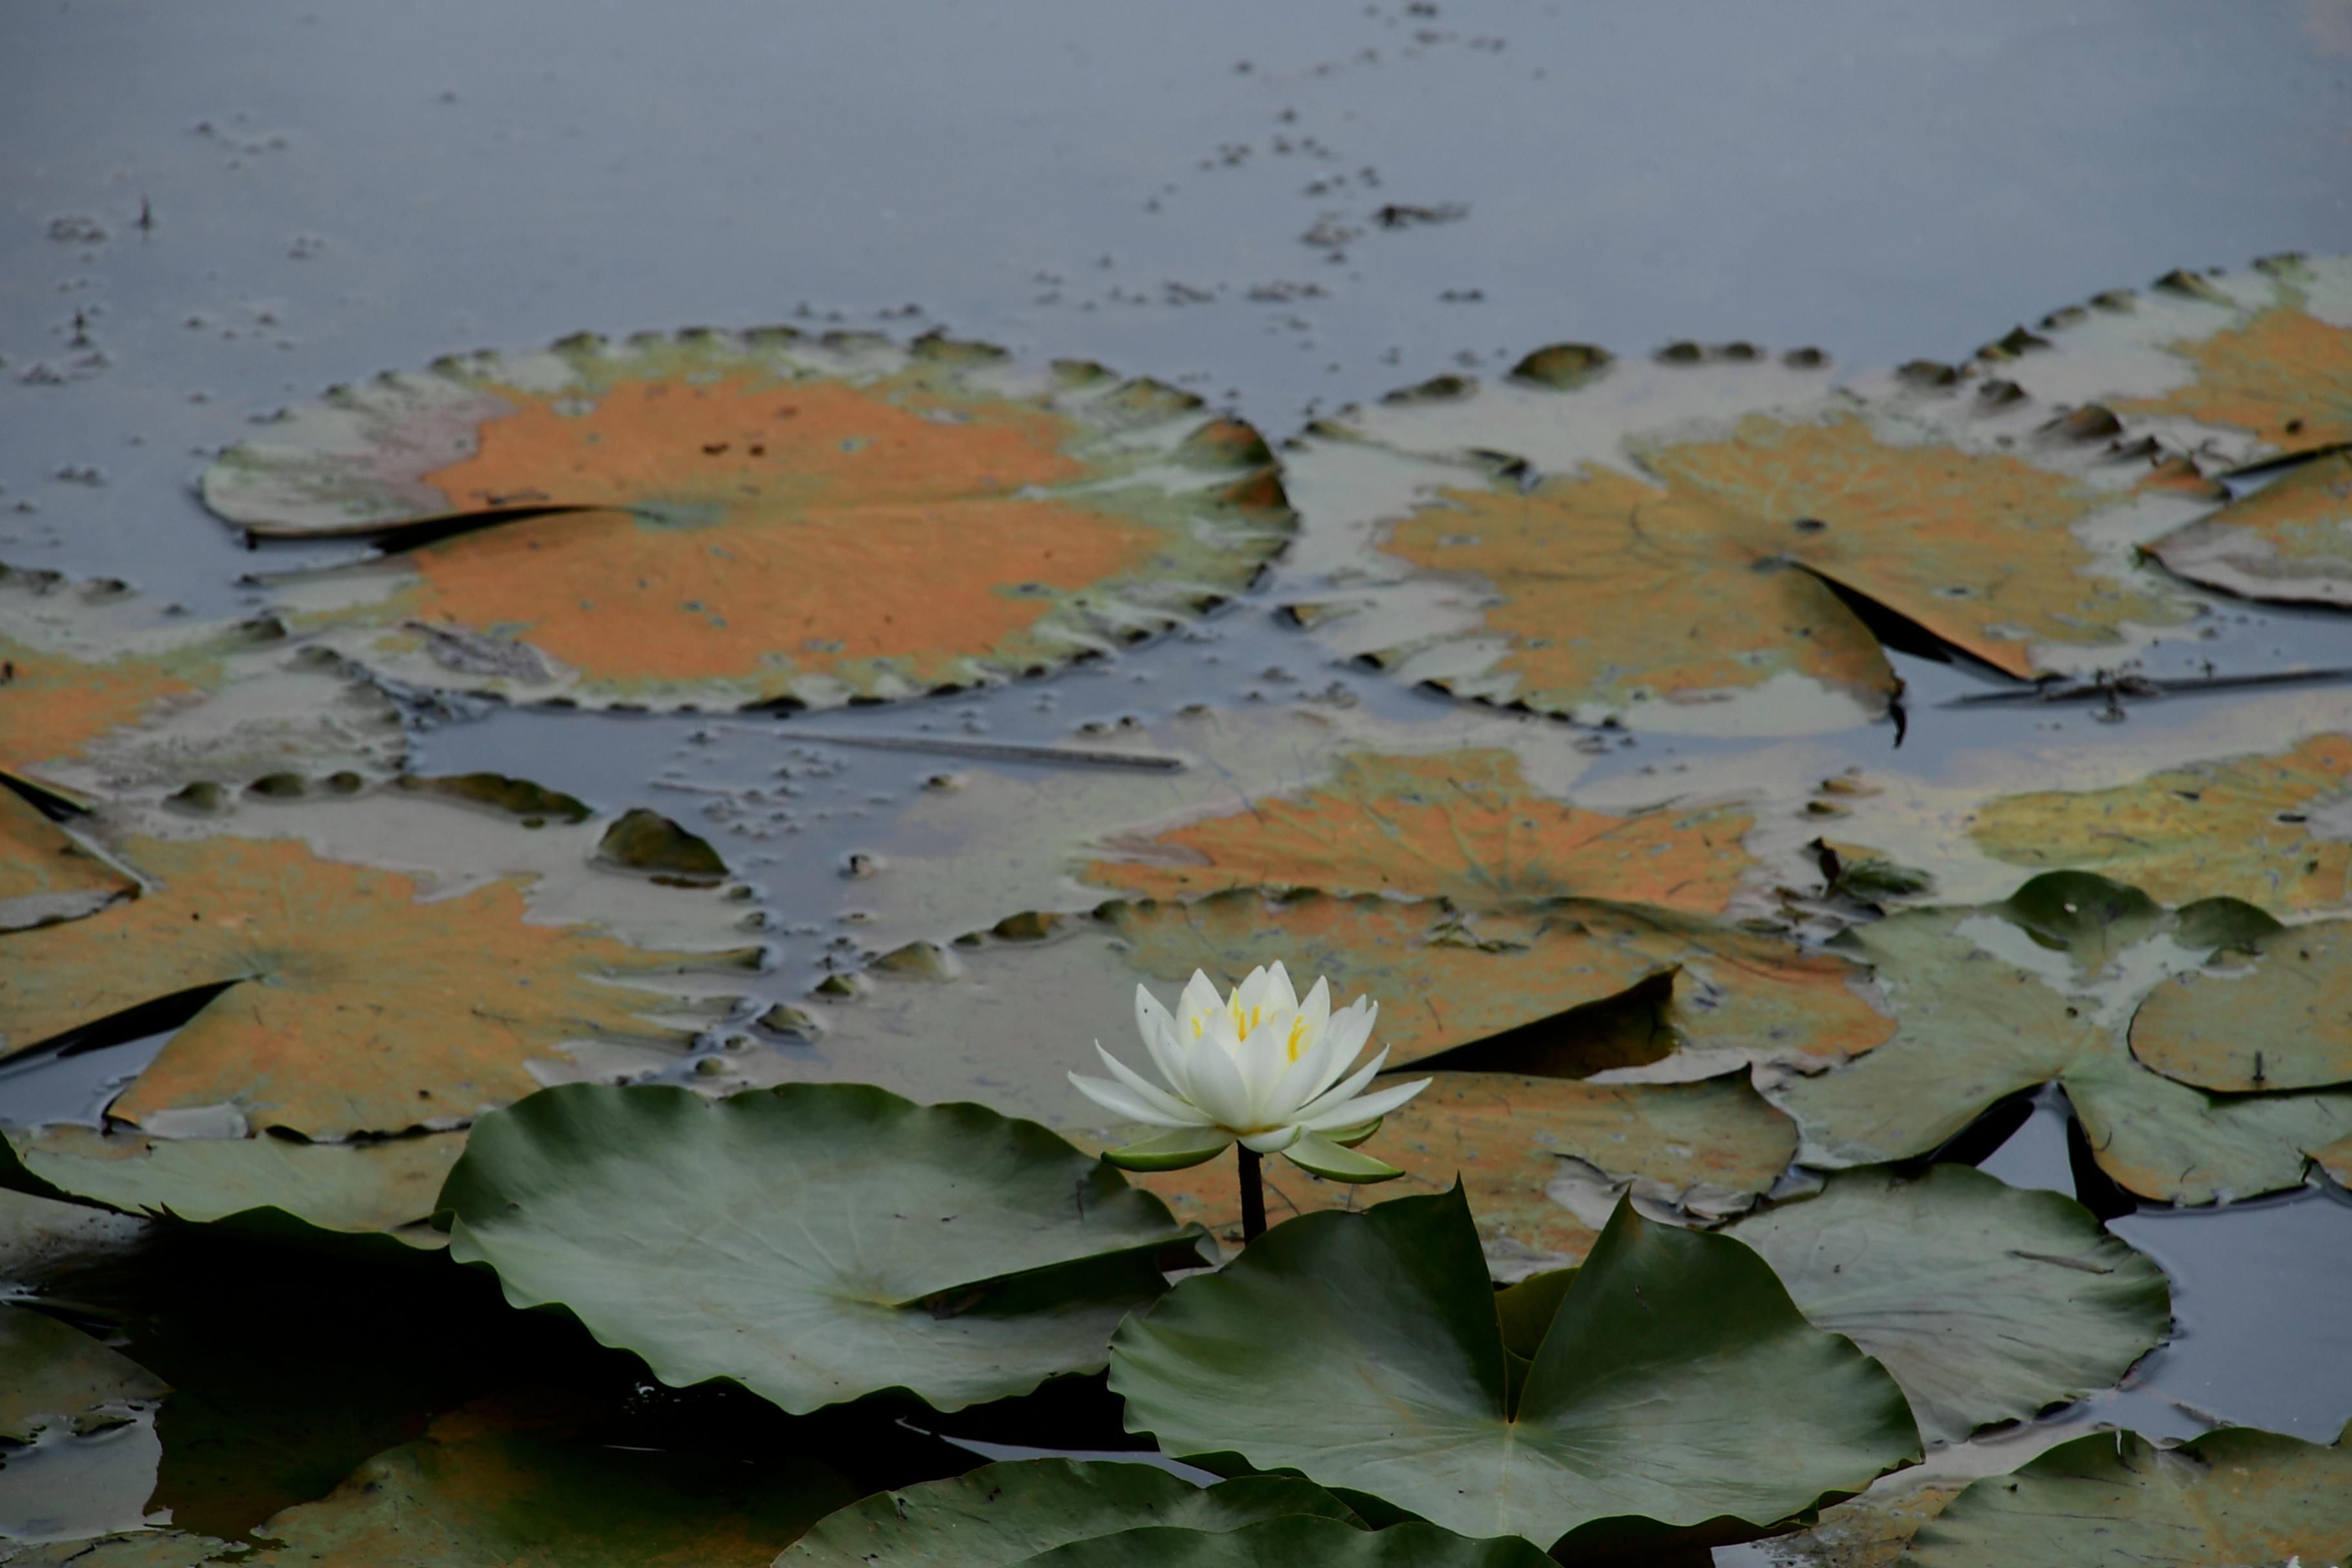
x: 1679, y: 560
x: 2272, y: 830
x: 346, y: 1005
x: 1463, y: 826
x: 45, y: 875
x: 772, y: 518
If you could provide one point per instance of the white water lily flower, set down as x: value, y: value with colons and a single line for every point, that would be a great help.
x: 1260, y: 1066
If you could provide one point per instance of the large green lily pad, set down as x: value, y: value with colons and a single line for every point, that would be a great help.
x: 1280, y: 1542
x: 1987, y: 1303
x: 775, y: 518
x: 2041, y: 988
x: 375, y: 1194
x: 2271, y: 829
x: 2115, y: 1499
x: 1517, y: 544
x: 1011, y: 1512
x: 350, y: 1005
x: 1677, y: 1387
x: 2276, y: 1015
x: 813, y: 1242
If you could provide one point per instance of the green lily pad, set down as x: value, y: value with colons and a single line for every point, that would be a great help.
x: 2277, y: 1015
x: 374, y: 1195
x: 813, y: 1242
x: 1677, y: 1388
x: 2114, y: 1498
x: 1009, y: 1513
x: 1281, y: 1542
x: 2041, y: 988
x: 777, y: 519
x: 1986, y: 1303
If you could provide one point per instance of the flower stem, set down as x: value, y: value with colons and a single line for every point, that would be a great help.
x: 1252, y: 1194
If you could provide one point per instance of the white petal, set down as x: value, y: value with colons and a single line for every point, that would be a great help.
x: 1348, y: 1090
x: 1158, y: 1031
x: 1264, y: 1056
x: 1278, y: 991
x: 1348, y: 1112
x: 1275, y: 1141
x: 1350, y: 1028
x: 1314, y: 1019
x: 1150, y: 1093
x: 1301, y: 1081
x: 1217, y: 1085
x: 1195, y: 1008
x: 1119, y: 1102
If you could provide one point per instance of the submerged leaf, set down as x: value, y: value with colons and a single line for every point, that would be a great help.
x: 2113, y: 1500
x: 1677, y: 1388
x: 775, y: 518
x: 815, y: 1243
x: 1987, y: 1303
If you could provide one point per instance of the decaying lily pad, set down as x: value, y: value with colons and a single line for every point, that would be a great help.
x: 2225, y: 369
x: 374, y: 1193
x: 100, y: 693
x: 1987, y: 1303
x: 51, y: 1373
x: 480, y: 1489
x: 345, y: 1005
x: 1462, y: 826
x: 2276, y: 830
x: 813, y: 1242
x: 1655, y: 543
x: 1989, y: 1001
x: 772, y: 518
x: 1676, y: 1387
x: 46, y: 875
x: 2276, y: 1016
x: 2114, y: 1498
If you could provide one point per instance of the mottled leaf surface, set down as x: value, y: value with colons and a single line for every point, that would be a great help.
x: 1986, y: 1303
x: 2278, y: 1017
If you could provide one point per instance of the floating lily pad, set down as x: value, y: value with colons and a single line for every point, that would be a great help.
x: 2290, y: 543
x: 45, y: 875
x: 815, y: 1243
x: 1987, y: 1303
x: 2114, y: 1498
x: 99, y: 692
x: 1654, y: 548
x: 775, y: 518
x: 480, y: 1490
x: 376, y: 1194
x: 2275, y: 1017
x: 1280, y: 1542
x: 2268, y: 353
x: 51, y: 1373
x: 346, y: 1005
x: 1677, y: 1389
x: 1463, y: 826
x: 1010, y: 1512
x: 2041, y: 988
x: 2276, y: 830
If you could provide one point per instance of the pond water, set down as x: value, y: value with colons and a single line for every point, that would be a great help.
x: 207, y: 214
